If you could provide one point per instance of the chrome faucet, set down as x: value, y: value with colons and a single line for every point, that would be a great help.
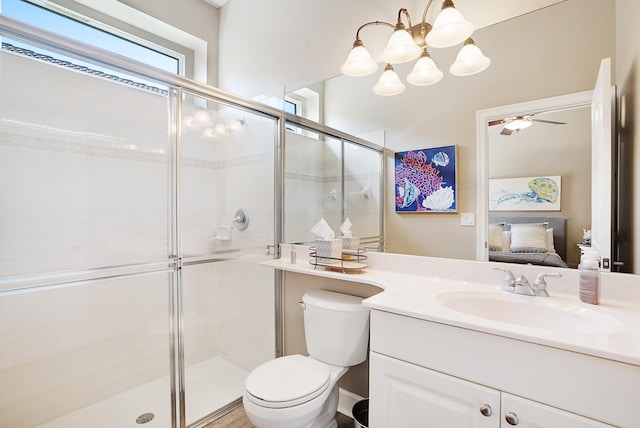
x: 520, y: 285
x: 540, y: 285
x: 509, y: 280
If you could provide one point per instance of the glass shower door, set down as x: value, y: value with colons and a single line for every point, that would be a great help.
x: 225, y: 228
x: 335, y: 179
x: 363, y: 193
x: 85, y: 277
x: 313, y: 183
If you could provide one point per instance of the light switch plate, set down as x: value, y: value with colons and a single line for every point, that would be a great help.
x: 467, y: 219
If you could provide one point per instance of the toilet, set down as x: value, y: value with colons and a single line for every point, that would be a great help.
x: 297, y: 391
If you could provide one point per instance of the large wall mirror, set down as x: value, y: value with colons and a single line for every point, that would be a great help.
x: 545, y: 178
x: 561, y: 61
x: 537, y: 171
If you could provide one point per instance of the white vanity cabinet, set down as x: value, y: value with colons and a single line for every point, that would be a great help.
x: 406, y: 395
x: 523, y: 413
x: 413, y: 396
x: 429, y: 374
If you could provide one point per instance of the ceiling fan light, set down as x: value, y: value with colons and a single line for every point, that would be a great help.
x: 449, y: 28
x: 400, y: 47
x: 425, y: 72
x: 359, y: 63
x: 518, y: 124
x: 470, y: 60
x: 389, y: 83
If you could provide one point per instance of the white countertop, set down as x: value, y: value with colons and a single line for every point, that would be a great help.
x: 413, y: 286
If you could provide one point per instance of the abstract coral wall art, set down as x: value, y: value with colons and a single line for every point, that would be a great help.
x: 425, y: 180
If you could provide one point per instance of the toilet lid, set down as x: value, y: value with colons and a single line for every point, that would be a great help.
x: 287, y: 381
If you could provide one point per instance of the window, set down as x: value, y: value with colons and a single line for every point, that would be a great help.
x: 291, y: 107
x: 70, y: 24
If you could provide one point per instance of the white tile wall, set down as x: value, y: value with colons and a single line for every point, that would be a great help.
x: 313, y: 187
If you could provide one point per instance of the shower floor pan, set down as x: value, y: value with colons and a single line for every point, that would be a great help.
x: 209, y: 385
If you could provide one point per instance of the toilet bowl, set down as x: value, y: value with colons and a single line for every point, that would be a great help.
x: 293, y: 392
x: 299, y: 391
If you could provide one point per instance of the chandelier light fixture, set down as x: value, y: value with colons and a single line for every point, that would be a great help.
x: 410, y: 42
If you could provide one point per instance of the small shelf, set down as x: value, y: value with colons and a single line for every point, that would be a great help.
x: 350, y: 262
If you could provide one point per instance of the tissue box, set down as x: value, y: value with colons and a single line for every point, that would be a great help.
x: 329, y: 248
x: 350, y: 243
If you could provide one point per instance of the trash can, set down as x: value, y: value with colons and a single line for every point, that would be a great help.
x: 361, y: 414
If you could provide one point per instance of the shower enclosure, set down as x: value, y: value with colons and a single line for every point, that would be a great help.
x: 130, y: 289
x: 135, y: 207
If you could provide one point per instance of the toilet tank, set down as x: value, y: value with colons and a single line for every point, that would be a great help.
x: 336, y: 327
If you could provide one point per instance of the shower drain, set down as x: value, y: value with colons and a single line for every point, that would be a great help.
x: 145, y: 418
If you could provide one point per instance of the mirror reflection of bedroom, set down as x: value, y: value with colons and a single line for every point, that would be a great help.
x: 540, y: 181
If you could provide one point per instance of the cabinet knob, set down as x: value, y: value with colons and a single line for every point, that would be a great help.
x: 486, y: 410
x: 511, y: 418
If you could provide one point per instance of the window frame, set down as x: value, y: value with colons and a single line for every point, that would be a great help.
x: 131, y: 24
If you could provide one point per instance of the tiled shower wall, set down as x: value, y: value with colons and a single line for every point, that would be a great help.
x: 84, y: 183
x: 313, y: 187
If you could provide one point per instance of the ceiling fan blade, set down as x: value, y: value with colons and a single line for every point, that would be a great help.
x: 553, y: 122
x: 496, y: 122
x: 506, y: 131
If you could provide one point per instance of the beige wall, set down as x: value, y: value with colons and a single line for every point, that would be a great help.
x: 627, y: 79
x: 193, y: 16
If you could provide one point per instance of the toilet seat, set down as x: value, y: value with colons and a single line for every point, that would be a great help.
x: 287, y: 381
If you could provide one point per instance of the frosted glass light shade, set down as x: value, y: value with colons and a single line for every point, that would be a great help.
x: 359, y: 63
x: 209, y: 134
x: 389, y: 83
x: 400, y: 48
x: 221, y: 129
x: 470, y: 60
x: 235, y: 125
x: 425, y: 72
x: 201, y: 118
x: 518, y: 124
x: 449, y: 28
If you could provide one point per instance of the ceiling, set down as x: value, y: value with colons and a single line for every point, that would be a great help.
x: 216, y: 3
x: 489, y: 12
x: 482, y: 13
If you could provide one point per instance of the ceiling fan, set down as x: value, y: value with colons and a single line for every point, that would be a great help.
x: 517, y: 123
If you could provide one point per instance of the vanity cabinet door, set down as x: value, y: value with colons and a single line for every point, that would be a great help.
x: 523, y: 413
x: 406, y: 395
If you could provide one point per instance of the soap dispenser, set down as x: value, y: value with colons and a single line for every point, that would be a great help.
x: 589, y: 277
x: 293, y: 254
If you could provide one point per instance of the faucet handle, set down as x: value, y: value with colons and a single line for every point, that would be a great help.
x: 509, y: 280
x: 540, y: 285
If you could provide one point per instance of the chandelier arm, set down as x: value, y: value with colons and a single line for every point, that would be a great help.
x: 424, y: 14
x: 372, y: 23
x: 406, y: 13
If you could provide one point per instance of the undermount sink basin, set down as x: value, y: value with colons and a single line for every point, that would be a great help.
x: 535, y: 312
